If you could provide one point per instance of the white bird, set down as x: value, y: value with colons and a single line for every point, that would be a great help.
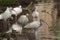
x: 17, y: 28
x: 17, y: 10
x: 35, y: 13
x: 5, y: 15
x: 23, y: 19
x: 36, y: 35
x: 34, y: 24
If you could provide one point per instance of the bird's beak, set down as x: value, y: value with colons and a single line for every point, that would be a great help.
x: 20, y: 6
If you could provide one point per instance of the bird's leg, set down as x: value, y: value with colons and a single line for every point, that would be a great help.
x: 36, y: 35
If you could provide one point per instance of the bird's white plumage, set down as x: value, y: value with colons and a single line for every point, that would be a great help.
x: 1, y: 16
x: 18, y: 10
x: 23, y: 19
x: 17, y: 28
x: 34, y: 24
x: 7, y: 14
x: 13, y: 12
x: 35, y: 13
x: 37, y: 35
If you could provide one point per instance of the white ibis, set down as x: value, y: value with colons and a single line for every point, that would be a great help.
x: 5, y: 15
x: 17, y: 28
x: 34, y: 24
x: 23, y: 19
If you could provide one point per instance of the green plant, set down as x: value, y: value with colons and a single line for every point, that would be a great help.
x: 7, y: 2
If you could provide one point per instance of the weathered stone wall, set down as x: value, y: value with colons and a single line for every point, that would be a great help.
x: 48, y: 14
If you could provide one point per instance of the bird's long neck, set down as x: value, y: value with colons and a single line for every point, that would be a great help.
x: 7, y: 9
x: 36, y: 9
x: 35, y: 19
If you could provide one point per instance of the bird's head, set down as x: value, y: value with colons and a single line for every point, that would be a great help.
x: 36, y: 8
x: 7, y: 8
x: 10, y: 8
x: 20, y: 6
x: 27, y: 15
